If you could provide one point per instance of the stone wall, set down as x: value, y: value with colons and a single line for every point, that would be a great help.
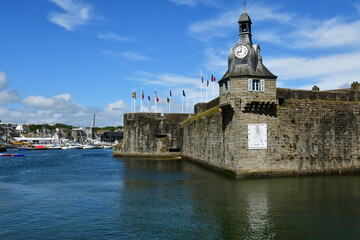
x: 201, y: 107
x: 343, y: 95
x: 151, y: 135
x: 304, y: 137
x: 319, y: 136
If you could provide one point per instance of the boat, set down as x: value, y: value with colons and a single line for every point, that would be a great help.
x: 70, y: 147
x: 12, y: 155
x: 88, y: 146
x: 53, y: 146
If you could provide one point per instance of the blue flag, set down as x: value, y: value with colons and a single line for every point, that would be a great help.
x: 184, y: 93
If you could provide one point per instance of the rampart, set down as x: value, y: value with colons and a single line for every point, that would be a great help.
x: 308, y: 133
x: 350, y: 94
x: 151, y: 135
x: 307, y: 137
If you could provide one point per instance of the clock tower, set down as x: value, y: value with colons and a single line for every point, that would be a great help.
x: 247, y: 83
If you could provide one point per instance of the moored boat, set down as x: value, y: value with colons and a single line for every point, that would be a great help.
x: 70, y: 147
x: 12, y: 155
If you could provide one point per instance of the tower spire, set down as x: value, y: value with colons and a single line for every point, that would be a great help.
x: 244, y: 5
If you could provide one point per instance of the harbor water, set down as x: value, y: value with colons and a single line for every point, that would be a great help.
x: 88, y: 194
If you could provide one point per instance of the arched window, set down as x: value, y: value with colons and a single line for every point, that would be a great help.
x: 243, y: 28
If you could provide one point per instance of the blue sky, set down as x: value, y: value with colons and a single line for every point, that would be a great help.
x: 65, y: 60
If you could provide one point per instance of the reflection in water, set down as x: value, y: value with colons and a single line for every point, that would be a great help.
x: 258, y: 214
x: 89, y: 195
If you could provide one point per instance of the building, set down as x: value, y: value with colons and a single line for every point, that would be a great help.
x: 254, y: 129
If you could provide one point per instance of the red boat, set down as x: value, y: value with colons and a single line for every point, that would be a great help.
x: 12, y: 155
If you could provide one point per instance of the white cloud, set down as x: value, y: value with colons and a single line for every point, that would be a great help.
x: 312, y: 33
x: 76, y: 14
x: 166, y: 79
x: 62, y: 103
x: 216, y: 60
x: 128, y: 55
x: 289, y: 31
x: 193, y: 3
x: 119, y: 105
x: 222, y: 25
x: 7, y: 96
x: 357, y: 6
x: 335, y: 81
x: 328, y: 72
x: 60, y: 109
x: 296, y: 67
x: 113, y: 37
x: 334, y: 32
x: 3, y: 80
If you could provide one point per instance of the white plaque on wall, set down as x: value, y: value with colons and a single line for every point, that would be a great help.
x: 257, y: 136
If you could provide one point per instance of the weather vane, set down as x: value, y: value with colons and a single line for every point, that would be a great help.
x: 244, y: 5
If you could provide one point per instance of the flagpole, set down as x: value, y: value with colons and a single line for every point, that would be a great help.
x: 201, y: 82
x: 182, y: 103
x: 187, y: 106
x: 135, y: 101
x: 169, y: 100
x: 213, y: 82
x: 148, y: 105
x: 206, y: 90
x: 155, y: 99
x: 132, y: 100
x: 141, y: 100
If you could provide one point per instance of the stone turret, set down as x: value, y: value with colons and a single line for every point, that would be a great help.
x: 247, y: 81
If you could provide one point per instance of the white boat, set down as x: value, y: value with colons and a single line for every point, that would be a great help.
x: 52, y: 146
x: 70, y: 147
x: 88, y: 146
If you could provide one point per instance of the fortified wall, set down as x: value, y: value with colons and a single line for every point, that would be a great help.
x: 304, y: 137
x: 254, y: 129
x: 151, y: 135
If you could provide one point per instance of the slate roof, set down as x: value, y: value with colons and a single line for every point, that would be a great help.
x: 244, y: 18
x: 244, y: 70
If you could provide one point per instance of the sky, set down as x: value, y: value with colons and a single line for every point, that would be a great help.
x: 62, y: 61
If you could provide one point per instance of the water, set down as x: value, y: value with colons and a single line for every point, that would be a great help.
x: 88, y: 194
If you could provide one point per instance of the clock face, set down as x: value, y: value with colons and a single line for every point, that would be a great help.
x: 257, y: 136
x: 241, y: 51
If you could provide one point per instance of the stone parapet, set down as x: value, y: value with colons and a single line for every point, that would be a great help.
x: 339, y: 95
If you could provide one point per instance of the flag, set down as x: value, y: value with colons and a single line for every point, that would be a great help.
x: 149, y: 98
x: 142, y: 95
x: 156, y: 98
x: 202, y: 80
x: 213, y: 79
x: 184, y: 93
x: 170, y: 93
x: 168, y: 99
x: 207, y: 83
x: 134, y: 94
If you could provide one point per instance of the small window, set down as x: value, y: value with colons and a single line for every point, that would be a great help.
x: 223, y: 87
x: 250, y: 85
x: 262, y: 82
x: 244, y: 28
x: 228, y: 86
x: 255, y: 85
